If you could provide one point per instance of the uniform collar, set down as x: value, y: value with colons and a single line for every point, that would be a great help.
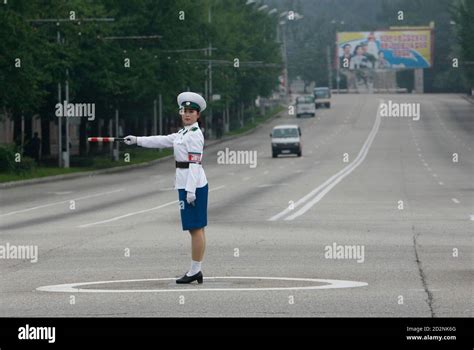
x: 187, y: 127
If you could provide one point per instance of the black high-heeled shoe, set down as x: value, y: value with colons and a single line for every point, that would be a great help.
x: 188, y: 279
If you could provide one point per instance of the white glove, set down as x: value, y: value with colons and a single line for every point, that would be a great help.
x: 130, y: 140
x: 190, y: 198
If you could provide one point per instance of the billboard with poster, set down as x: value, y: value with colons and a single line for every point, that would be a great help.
x: 390, y: 49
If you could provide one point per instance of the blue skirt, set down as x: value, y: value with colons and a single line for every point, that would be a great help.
x: 194, y: 216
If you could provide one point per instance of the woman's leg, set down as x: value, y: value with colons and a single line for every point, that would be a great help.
x: 198, y: 244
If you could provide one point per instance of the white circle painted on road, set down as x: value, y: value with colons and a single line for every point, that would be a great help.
x: 75, y: 287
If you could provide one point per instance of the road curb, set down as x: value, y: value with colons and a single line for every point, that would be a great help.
x: 469, y: 99
x: 118, y: 169
x: 46, y: 179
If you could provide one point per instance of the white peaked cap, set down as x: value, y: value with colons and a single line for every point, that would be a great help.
x: 186, y: 98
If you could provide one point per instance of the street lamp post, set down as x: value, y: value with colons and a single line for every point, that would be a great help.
x: 289, y: 16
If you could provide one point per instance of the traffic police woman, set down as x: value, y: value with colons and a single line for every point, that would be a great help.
x: 191, y: 181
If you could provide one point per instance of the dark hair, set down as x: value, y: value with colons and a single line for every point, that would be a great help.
x: 355, y: 50
x: 199, y: 120
x: 346, y: 45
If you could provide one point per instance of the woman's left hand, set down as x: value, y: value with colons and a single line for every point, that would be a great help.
x: 190, y: 197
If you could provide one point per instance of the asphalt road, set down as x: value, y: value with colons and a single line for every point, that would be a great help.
x: 417, y: 261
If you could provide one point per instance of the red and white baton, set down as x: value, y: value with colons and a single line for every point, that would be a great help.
x: 104, y: 139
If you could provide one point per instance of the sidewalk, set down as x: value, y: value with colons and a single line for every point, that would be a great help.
x: 208, y: 143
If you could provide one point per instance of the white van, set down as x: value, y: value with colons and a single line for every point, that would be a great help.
x: 286, y: 139
x: 322, y: 97
x: 305, y: 106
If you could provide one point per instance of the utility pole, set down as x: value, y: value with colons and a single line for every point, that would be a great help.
x: 160, y: 113
x: 66, y: 158
x: 57, y: 21
x: 154, y: 118
x: 286, y: 17
x: 60, y: 132
x: 60, y: 124
x: 116, y: 150
x: 329, y: 67
x: 285, y: 57
x: 338, y: 75
x: 338, y: 70
x: 209, y: 128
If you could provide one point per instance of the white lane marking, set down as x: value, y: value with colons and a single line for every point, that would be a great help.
x: 455, y: 200
x: 333, y: 180
x: 246, y: 178
x: 139, y: 212
x: 265, y: 172
x: 435, y: 175
x: 441, y: 183
x: 419, y: 154
x: 73, y: 287
x: 60, y: 193
x: 472, y: 217
x: 429, y: 169
x: 65, y: 201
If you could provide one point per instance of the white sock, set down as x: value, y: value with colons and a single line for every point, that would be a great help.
x: 195, y: 268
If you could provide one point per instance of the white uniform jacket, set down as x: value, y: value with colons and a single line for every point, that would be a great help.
x: 188, y: 145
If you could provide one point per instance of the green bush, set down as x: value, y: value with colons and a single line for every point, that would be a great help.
x: 8, y: 164
x: 26, y: 165
x: 7, y: 158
